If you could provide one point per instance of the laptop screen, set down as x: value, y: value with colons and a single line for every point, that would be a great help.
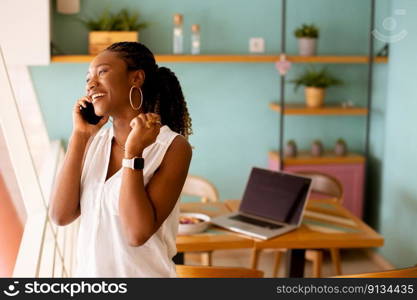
x: 275, y: 195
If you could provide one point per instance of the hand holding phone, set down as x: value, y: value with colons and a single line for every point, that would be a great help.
x: 84, y: 118
x: 89, y: 115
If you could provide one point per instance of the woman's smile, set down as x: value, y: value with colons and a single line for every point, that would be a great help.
x: 97, y: 97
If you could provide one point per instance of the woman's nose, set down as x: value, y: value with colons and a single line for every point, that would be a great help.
x: 91, y: 84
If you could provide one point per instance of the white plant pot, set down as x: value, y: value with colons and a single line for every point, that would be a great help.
x: 307, y: 46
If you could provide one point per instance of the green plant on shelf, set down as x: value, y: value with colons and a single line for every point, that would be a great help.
x: 121, y: 21
x: 307, y: 31
x: 316, y: 78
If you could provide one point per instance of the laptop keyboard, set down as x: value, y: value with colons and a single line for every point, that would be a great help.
x: 255, y: 222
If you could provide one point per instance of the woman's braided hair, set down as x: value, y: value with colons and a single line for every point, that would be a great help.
x: 161, y: 90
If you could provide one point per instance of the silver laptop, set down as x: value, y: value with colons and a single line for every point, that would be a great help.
x: 273, y: 204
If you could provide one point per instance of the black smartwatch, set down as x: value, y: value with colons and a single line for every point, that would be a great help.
x: 136, y: 163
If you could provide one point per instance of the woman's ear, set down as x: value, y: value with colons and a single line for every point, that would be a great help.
x: 138, y: 78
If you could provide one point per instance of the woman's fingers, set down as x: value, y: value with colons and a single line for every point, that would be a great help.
x: 147, y: 120
x: 136, y: 121
x: 83, y: 100
x: 81, y: 103
x: 143, y: 118
x: 133, y: 122
x: 155, y: 117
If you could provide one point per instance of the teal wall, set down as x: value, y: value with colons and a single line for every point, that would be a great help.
x: 398, y: 213
x: 233, y: 126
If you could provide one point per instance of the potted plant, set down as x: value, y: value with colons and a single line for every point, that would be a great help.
x: 315, y: 83
x: 340, y: 148
x: 307, y: 39
x: 110, y: 28
x: 291, y: 149
x: 316, y: 148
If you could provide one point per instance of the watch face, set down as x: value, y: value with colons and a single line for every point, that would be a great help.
x: 138, y: 163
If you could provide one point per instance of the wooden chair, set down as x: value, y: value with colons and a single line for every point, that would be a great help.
x: 216, y: 272
x: 201, y: 187
x: 397, y: 273
x: 330, y: 187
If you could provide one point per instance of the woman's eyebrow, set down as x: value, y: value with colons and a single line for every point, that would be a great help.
x: 103, y: 64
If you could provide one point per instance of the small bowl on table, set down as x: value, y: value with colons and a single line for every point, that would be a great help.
x: 192, y: 223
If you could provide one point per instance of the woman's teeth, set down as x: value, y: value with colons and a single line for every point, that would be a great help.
x: 95, y: 97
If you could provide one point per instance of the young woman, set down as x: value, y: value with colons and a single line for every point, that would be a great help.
x: 124, y: 180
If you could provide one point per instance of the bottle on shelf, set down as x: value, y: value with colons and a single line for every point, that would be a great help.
x: 195, y: 39
x: 178, y: 34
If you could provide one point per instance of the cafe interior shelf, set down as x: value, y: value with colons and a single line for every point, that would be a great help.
x: 305, y: 158
x: 302, y: 109
x: 248, y: 58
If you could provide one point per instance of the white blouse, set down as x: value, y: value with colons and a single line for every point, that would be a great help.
x: 102, y: 249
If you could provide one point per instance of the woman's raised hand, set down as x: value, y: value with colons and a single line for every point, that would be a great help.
x: 145, y: 129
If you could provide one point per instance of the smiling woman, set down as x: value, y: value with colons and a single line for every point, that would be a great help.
x: 124, y: 181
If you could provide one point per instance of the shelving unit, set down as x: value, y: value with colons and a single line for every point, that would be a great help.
x: 229, y: 58
x: 350, y: 169
x: 301, y: 109
x: 327, y: 158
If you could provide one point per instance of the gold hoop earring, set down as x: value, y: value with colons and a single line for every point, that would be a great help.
x: 130, y: 97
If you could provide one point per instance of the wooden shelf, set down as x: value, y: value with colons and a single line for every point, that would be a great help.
x: 249, y: 58
x: 305, y: 158
x: 301, y: 109
x: 334, y: 59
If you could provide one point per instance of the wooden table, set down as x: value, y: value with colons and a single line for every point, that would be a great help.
x: 326, y: 224
x: 215, y: 238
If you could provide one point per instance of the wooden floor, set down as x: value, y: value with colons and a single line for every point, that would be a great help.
x: 353, y: 261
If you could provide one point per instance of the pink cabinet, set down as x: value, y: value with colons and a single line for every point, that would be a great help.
x: 349, y: 170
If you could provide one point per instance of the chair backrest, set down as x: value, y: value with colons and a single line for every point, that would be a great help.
x: 398, y: 273
x: 217, y: 272
x: 200, y: 187
x: 324, y: 184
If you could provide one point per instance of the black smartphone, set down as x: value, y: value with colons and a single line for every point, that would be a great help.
x: 89, y: 115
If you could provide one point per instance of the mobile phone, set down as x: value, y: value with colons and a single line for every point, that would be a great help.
x: 89, y: 115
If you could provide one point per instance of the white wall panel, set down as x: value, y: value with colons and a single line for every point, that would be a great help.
x: 25, y: 31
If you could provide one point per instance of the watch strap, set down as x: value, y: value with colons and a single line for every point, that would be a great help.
x: 135, y: 163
